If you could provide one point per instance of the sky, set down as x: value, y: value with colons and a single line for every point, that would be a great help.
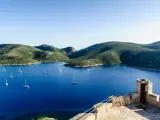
x: 79, y: 23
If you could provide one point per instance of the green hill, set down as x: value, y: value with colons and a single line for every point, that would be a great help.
x: 22, y: 54
x: 109, y: 53
x: 112, y: 53
x: 46, y: 47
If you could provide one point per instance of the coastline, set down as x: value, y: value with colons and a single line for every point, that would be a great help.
x: 29, y: 63
x: 76, y: 66
x: 158, y: 70
x: 85, y: 66
x: 20, y: 64
x: 52, y: 114
x: 96, y: 65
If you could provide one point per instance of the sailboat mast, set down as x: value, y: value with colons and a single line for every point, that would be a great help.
x: 25, y: 82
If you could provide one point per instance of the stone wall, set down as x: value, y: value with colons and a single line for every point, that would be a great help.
x: 132, y: 98
x: 98, y: 110
x: 101, y: 109
x: 153, y: 99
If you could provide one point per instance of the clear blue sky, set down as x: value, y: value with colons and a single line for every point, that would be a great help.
x: 78, y: 23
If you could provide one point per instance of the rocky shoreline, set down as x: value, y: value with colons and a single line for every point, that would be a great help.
x: 96, y: 65
x: 85, y: 66
x: 75, y: 66
x: 29, y: 63
x: 20, y: 64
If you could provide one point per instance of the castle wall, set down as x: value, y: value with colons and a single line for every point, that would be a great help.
x: 86, y: 116
x: 99, y: 110
x: 153, y: 99
x: 132, y: 98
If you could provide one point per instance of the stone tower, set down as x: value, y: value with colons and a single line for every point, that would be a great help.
x: 143, y: 88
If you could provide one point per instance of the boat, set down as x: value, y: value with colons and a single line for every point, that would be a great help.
x: 11, y: 76
x: 88, y: 69
x: 4, y: 69
x: 45, y: 72
x: 20, y: 70
x: 60, y: 70
x: 74, y: 82
x: 25, y: 84
x: 6, y: 82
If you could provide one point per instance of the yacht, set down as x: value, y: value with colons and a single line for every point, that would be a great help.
x: 6, y: 82
x: 25, y: 84
x: 45, y: 72
x: 4, y: 69
x: 20, y: 70
x: 60, y: 70
x: 74, y: 82
x: 11, y: 76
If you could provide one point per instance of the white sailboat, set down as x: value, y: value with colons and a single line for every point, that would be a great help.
x: 20, y: 70
x: 25, y: 84
x: 6, y: 82
x: 4, y: 69
x: 45, y: 71
x: 11, y: 76
x: 60, y: 70
x: 74, y: 82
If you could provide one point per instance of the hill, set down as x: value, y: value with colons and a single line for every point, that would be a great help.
x: 155, y: 45
x: 108, y: 53
x: 68, y: 50
x: 46, y: 47
x: 112, y: 53
x: 22, y: 54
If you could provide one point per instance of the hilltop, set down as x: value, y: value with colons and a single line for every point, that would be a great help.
x: 115, y: 53
x: 23, y: 54
x: 108, y: 53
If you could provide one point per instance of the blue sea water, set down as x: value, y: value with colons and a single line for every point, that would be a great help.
x: 54, y: 91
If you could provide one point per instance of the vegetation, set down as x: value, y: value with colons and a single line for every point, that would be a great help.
x: 22, y: 54
x: 109, y: 53
x: 46, y: 118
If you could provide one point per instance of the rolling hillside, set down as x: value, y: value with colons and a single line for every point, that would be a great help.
x: 109, y: 53
x: 112, y: 53
x: 22, y: 54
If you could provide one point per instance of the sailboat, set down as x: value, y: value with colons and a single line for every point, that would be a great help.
x: 25, y: 84
x: 4, y: 69
x: 11, y: 76
x: 6, y: 82
x: 74, y: 82
x: 60, y: 70
x: 45, y: 72
x: 20, y: 70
